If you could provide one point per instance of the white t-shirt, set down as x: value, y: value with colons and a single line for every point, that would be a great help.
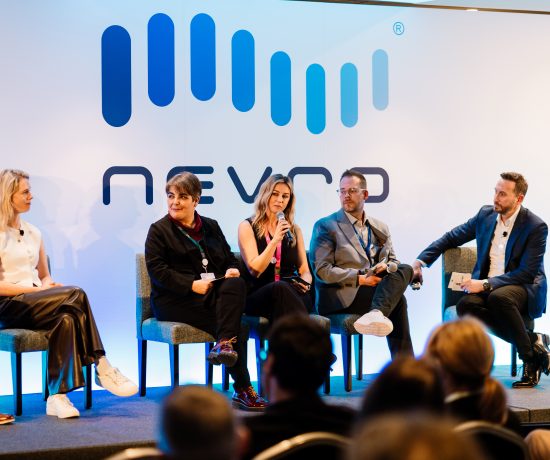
x: 19, y: 255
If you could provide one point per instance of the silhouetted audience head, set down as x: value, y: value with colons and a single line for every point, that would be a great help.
x: 198, y: 424
x: 300, y: 354
x: 538, y: 444
x: 465, y: 353
x: 405, y: 384
x: 415, y: 437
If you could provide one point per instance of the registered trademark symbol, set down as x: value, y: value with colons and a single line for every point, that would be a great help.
x: 398, y: 28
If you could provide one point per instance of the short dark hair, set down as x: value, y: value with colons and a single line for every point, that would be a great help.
x: 186, y: 182
x: 519, y: 181
x: 197, y: 424
x: 355, y: 173
x: 302, y: 353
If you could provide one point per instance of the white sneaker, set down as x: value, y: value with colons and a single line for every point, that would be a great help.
x: 373, y: 323
x: 114, y: 382
x: 60, y: 406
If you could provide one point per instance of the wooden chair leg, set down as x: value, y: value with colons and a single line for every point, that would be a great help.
x: 16, y: 382
x: 45, y: 388
x: 514, y: 369
x: 358, y: 345
x: 209, y: 367
x: 142, y: 366
x: 174, y: 365
x: 346, y: 358
x: 88, y: 387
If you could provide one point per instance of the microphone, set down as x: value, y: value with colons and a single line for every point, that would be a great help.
x: 391, y: 267
x: 504, y: 234
x: 281, y: 216
x: 21, y: 232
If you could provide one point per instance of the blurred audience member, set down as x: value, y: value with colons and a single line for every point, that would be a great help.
x: 299, y: 358
x: 405, y: 384
x: 538, y: 444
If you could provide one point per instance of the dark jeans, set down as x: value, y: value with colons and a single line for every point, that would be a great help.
x: 73, y: 337
x: 275, y: 300
x: 388, y: 297
x: 219, y: 314
x: 501, y: 311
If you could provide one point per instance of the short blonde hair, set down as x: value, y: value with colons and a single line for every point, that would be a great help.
x: 9, y: 184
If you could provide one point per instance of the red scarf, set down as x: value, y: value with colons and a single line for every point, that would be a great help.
x: 194, y: 232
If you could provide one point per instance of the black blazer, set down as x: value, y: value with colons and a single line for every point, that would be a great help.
x: 174, y: 262
x: 524, y: 258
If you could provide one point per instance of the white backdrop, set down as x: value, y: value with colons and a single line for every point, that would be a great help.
x: 469, y: 97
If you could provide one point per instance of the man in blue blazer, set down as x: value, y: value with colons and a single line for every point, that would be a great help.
x: 356, y: 269
x: 508, y: 278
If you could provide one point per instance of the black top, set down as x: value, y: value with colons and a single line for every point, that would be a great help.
x: 289, y: 263
x: 174, y: 262
x: 296, y: 416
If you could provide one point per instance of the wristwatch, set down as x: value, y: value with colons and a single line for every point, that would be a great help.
x: 487, y: 286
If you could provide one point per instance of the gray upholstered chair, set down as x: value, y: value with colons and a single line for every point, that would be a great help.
x: 171, y: 333
x: 463, y: 260
x: 19, y: 341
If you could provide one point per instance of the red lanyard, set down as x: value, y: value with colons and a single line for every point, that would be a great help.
x: 277, y: 257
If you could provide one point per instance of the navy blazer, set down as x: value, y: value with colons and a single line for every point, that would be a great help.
x: 524, y: 258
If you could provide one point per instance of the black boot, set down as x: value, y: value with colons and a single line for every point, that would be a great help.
x: 542, y: 349
x: 531, y: 375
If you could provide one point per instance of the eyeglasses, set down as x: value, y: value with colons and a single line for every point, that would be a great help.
x: 350, y: 191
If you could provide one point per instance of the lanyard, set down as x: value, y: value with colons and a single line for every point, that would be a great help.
x: 362, y: 241
x: 277, y: 259
x: 204, y: 260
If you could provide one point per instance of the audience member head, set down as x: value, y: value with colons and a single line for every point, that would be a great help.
x: 405, y: 384
x: 198, y: 424
x: 279, y: 185
x: 187, y: 183
x: 538, y: 444
x: 9, y: 184
x: 300, y: 355
x: 415, y: 437
x: 465, y: 354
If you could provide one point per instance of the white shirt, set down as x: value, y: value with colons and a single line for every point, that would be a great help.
x: 19, y: 255
x: 497, y: 252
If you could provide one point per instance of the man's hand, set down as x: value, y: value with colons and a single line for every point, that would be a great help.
x: 380, y: 267
x: 472, y: 286
x: 417, y: 272
x: 371, y: 280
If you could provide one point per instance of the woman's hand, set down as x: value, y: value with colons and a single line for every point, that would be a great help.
x: 232, y: 273
x: 201, y: 286
x: 280, y: 231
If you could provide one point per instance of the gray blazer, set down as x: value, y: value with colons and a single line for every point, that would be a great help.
x: 336, y: 256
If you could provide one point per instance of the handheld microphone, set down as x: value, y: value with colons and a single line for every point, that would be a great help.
x: 391, y: 267
x: 281, y: 216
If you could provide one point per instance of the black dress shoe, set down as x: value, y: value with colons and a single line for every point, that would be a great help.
x: 530, y: 377
x: 542, y: 349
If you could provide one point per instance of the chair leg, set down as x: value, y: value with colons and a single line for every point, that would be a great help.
x: 45, y: 388
x: 326, y: 386
x: 88, y: 387
x: 174, y: 365
x: 225, y: 378
x: 142, y: 366
x: 260, y: 349
x: 209, y: 367
x: 514, y: 368
x: 346, y: 358
x: 358, y: 344
x: 16, y: 382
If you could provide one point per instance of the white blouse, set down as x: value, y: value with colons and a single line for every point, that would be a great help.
x: 19, y: 255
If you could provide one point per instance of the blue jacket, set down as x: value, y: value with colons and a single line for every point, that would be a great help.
x: 524, y: 258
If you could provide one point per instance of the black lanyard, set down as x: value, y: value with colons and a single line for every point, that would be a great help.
x: 204, y: 260
x: 362, y: 241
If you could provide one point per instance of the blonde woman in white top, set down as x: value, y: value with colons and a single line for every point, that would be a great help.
x: 31, y: 299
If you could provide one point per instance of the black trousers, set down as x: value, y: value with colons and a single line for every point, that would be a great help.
x: 501, y: 310
x: 277, y: 299
x: 73, y: 337
x: 220, y: 314
x: 388, y: 297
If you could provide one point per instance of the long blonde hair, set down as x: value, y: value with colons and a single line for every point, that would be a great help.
x: 9, y: 184
x: 260, y: 219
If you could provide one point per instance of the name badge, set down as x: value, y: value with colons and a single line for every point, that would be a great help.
x: 208, y: 276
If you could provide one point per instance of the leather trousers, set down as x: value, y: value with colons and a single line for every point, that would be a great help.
x: 74, y: 341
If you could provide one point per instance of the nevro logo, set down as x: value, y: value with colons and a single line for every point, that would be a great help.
x: 116, y: 75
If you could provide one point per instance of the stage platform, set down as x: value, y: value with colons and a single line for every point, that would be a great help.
x: 116, y: 423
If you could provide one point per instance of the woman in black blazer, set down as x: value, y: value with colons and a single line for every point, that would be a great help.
x: 195, y: 280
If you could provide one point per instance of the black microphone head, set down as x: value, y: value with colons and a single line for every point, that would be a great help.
x: 281, y: 215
